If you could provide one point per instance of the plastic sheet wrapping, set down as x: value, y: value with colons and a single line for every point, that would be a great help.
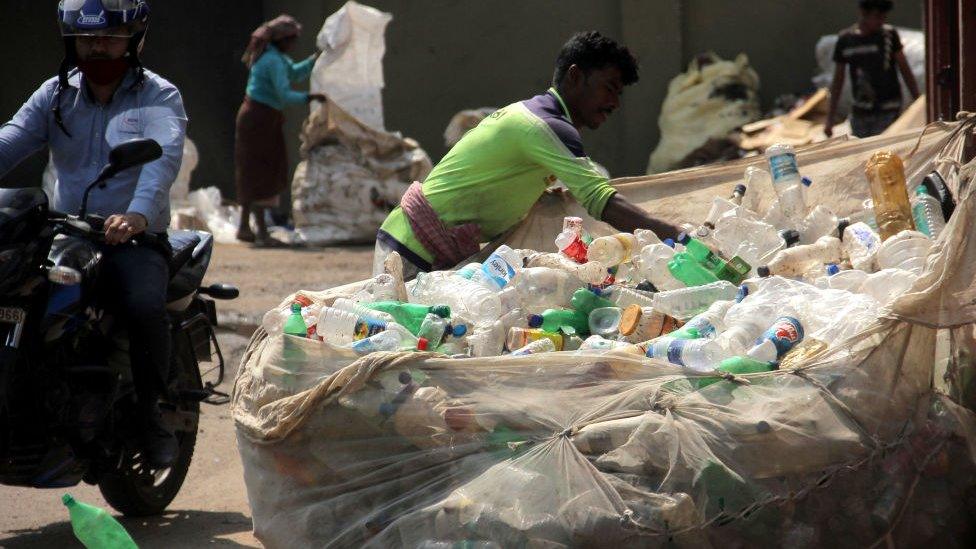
x: 846, y: 445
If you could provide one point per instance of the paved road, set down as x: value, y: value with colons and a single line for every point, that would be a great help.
x: 211, y: 509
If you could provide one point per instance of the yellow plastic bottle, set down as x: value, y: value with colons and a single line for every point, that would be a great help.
x: 892, y: 209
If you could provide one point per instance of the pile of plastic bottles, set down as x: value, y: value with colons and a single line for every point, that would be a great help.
x: 737, y: 293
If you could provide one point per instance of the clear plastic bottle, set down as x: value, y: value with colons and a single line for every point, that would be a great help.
x: 799, y: 259
x: 685, y: 303
x: 383, y: 341
x: 645, y: 238
x: 819, y: 222
x: 570, y: 244
x: 433, y: 329
x: 477, y: 302
x: 589, y: 273
x: 351, y: 306
x: 887, y: 284
x: 625, y: 297
x: 886, y: 175
x: 720, y: 207
x: 860, y: 245
x: 785, y: 333
x: 927, y: 211
x: 501, y: 267
x: 752, y: 240
x: 850, y: 280
x: 711, y: 322
x: 612, y: 250
x: 541, y: 288
x: 605, y: 321
x: 907, y: 250
x: 342, y: 328
x: 755, y: 177
x: 543, y: 345
x: 700, y: 355
x: 786, y: 181
x: 654, y: 266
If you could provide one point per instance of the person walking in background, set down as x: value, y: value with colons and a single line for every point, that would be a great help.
x: 873, y: 51
x: 260, y: 156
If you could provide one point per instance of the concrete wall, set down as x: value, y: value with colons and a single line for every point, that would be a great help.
x: 448, y: 55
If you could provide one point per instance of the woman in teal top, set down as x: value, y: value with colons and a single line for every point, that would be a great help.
x: 260, y: 156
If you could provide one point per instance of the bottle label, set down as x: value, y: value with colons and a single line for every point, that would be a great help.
x: 675, y: 348
x: 783, y: 167
x: 785, y: 333
x: 366, y: 328
x: 498, y: 271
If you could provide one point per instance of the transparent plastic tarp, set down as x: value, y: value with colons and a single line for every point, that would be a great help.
x: 847, y: 446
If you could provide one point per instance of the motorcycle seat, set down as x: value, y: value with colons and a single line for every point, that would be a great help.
x: 183, y: 243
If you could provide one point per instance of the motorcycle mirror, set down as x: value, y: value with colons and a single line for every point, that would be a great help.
x: 122, y: 157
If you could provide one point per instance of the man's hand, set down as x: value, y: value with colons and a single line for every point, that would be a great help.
x: 627, y: 216
x: 829, y: 130
x: 120, y: 228
x: 320, y: 97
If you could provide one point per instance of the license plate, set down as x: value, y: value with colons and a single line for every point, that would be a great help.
x: 12, y: 315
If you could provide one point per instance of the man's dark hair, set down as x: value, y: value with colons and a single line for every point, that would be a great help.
x: 591, y: 50
x: 883, y: 6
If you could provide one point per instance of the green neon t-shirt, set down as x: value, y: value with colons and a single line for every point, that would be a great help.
x: 499, y: 169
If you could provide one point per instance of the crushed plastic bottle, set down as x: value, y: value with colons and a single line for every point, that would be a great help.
x: 860, y: 245
x: 351, y: 306
x: 383, y: 341
x: 542, y: 287
x: 599, y: 343
x: 819, y: 222
x: 908, y: 250
x: 711, y: 322
x: 623, y: 296
x: 785, y: 333
x: 409, y: 315
x: 589, y: 273
x: 754, y: 241
x: 501, y: 267
x: 520, y: 337
x: 688, y: 302
x: 342, y: 328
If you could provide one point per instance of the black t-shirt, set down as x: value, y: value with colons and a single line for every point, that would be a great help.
x: 873, y: 69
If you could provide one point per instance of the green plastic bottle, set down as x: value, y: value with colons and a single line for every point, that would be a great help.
x: 584, y: 301
x: 567, y: 321
x: 687, y: 269
x: 95, y: 528
x: 735, y: 365
x: 295, y: 325
x: 735, y: 270
x: 409, y: 315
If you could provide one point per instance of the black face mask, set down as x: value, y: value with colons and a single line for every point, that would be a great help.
x: 102, y: 72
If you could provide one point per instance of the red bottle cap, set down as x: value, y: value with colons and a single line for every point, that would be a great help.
x: 422, y: 344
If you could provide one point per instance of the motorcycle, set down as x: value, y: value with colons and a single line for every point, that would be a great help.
x: 67, y: 401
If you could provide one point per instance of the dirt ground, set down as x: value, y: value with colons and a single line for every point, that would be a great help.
x: 212, y: 508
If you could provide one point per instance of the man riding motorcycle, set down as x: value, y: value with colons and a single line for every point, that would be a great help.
x: 101, y: 97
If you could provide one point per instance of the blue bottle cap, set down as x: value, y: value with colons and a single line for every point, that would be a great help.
x: 535, y: 321
x: 742, y: 293
x: 669, y: 242
x: 832, y: 269
x: 806, y: 181
x: 460, y: 330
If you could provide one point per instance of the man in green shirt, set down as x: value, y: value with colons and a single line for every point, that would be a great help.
x: 490, y: 180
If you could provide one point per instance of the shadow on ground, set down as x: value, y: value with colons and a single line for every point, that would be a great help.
x: 172, y: 529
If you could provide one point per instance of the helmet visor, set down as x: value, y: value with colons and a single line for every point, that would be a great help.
x: 120, y: 18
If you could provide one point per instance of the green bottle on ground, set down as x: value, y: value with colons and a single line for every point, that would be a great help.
x: 95, y: 528
x: 295, y: 325
x: 409, y: 315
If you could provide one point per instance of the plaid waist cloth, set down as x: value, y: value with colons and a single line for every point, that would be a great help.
x: 449, y: 245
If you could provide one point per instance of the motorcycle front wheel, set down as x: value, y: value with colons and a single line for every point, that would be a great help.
x: 134, y: 488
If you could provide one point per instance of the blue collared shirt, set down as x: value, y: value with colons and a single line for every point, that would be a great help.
x: 153, y: 110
